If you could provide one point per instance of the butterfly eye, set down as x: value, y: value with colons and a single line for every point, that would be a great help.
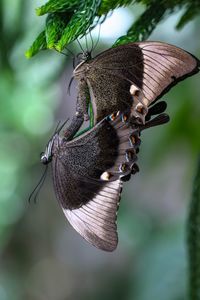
x: 43, y: 158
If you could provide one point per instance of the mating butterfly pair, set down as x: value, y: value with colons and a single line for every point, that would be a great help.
x: 89, y: 170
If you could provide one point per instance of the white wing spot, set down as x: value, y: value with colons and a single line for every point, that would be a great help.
x: 134, y: 91
x: 105, y: 176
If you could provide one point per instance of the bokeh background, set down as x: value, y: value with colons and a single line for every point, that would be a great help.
x: 41, y: 256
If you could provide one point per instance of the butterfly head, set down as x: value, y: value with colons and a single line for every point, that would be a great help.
x: 44, y: 159
x: 46, y: 156
x: 85, y: 56
x: 54, y: 143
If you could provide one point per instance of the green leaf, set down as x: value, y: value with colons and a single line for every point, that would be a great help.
x: 144, y: 26
x: 79, y: 16
x: 108, y: 5
x: 38, y: 44
x: 189, y: 15
x: 57, y: 6
x: 55, y: 24
x: 79, y: 23
x: 63, y: 5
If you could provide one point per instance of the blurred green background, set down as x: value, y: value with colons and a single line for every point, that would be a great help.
x: 41, y: 256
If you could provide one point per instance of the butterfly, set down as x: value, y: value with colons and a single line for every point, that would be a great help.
x: 89, y: 171
x: 131, y: 76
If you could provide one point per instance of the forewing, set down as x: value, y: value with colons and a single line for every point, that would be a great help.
x: 136, y: 72
x: 87, y: 176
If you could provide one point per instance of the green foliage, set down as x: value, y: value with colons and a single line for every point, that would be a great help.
x: 70, y: 19
x: 79, y: 23
x: 192, y: 10
x: 53, y: 6
x: 55, y: 25
x: 144, y: 26
x: 194, y: 239
x: 109, y: 5
x: 39, y: 44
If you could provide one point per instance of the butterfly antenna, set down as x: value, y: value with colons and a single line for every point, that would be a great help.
x: 61, y: 127
x: 69, y: 85
x: 90, y: 33
x: 41, y: 184
x: 86, y: 42
x: 70, y: 51
x: 38, y: 186
x: 62, y: 53
x: 80, y: 45
x: 97, y: 38
x: 56, y: 129
x: 67, y: 55
x: 74, y: 64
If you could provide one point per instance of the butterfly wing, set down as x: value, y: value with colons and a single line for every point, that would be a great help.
x: 87, y: 179
x: 136, y: 73
x: 95, y: 220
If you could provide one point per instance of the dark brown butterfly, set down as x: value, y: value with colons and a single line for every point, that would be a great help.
x: 89, y: 170
x: 131, y: 76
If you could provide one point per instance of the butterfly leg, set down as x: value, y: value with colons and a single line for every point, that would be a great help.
x: 76, y: 123
x: 83, y: 98
x: 81, y: 114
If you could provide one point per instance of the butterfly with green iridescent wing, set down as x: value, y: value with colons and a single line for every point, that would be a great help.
x: 129, y: 77
x: 89, y: 171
